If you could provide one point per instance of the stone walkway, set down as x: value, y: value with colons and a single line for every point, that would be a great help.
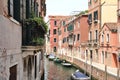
x: 110, y: 70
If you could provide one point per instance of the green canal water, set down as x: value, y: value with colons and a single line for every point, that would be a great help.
x: 55, y: 71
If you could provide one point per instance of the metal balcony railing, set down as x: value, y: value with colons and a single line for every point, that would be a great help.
x: 95, y: 41
x: 70, y: 42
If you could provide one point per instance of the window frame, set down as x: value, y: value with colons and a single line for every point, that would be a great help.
x: 55, y: 23
x: 55, y: 40
x: 54, y: 31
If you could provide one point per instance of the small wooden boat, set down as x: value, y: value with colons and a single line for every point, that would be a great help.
x: 57, y: 60
x: 51, y: 57
x: 79, y: 76
x: 67, y: 64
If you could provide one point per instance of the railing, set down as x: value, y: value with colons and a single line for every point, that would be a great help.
x: 95, y: 41
x: 89, y: 22
x: 70, y: 42
x: 90, y: 41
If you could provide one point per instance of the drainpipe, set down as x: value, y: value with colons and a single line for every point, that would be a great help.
x: 100, y: 8
x: 101, y: 13
x: 118, y: 67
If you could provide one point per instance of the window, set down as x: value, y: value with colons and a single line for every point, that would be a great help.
x: 89, y: 2
x: 102, y: 38
x: 27, y: 9
x: 78, y: 37
x: 55, y: 23
x: 95, y: 16
x: 103, y: 57
x: 16, y: 10
x: 105, y: 54
x: 90, y: 35
x: 90, y: 19
x: 64, y: 29
x: 55, y: 49
x: 54, y: 31
x: 54, y: 39
x: 63, y: 23
x: 95, y: 0
x: 67, y: 39
x: 107, y: 38
x: 10, y: 7
x: 96, y: 35
x: 91, y: 54
x: 96, y: 53
x: 74, y: 37
x: 64, y: 40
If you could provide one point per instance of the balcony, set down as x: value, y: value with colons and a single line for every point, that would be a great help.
x: 95, y: 21
x: 108, y: 44
x: 70, y: 42
x: 89, y: 22
x: 90, y: 43
x: 29, y: 50
x: 118, y: 12
x: 95, y: 41
x: 83, y: 44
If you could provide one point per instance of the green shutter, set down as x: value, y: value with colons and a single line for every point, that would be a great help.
x: 70, y: 27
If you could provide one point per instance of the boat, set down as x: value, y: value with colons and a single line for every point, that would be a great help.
x: 79, y: 76
x: 51, y: 57
x: 66, y: 64
x: 57, y: 60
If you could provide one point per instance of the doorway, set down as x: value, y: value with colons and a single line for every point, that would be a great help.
x: 13, y: 73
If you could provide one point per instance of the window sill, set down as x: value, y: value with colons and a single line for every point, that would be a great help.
x: 13, y: 20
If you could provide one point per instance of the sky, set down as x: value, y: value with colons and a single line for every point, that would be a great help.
x: 65, y: 7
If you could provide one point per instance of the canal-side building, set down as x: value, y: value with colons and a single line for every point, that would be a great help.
x: 33, y: 38
x: 17, y: 64
x: 118, y: 32
x: 75, y: 37
x: 56, y: 24
x: 108, y: 44
x: 98, y: 15
x: 11, y: 65
x: 67, y: 35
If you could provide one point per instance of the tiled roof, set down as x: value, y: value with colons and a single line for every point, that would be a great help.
x: 113, y: 26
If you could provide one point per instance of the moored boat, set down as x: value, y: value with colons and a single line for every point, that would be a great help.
x: 67, y: 64
x: 57, y: 60
x: 51, y: 57
x: 79, y: 76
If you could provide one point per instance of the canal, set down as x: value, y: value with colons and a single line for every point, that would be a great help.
x: 55, y: 71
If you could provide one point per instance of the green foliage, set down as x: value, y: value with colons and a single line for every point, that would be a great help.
x: 39, y: 21
x: 39, y: 41
x: 82, y: 12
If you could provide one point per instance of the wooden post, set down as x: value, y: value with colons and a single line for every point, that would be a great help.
x: 118, y: 67
x: 91, y: 64
x: 90, y: 68
x: 105, y: 72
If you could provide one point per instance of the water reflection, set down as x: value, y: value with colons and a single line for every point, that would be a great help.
x: 55, y: 71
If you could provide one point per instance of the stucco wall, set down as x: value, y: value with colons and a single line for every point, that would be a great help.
x: 10, y: 47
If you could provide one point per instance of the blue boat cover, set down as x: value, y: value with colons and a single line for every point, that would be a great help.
x: 80, y: 75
